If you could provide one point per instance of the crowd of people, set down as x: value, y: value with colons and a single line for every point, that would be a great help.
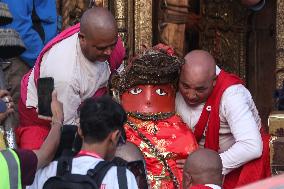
x: 155, y: 121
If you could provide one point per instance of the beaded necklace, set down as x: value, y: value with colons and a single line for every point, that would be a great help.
x: 151, y: 116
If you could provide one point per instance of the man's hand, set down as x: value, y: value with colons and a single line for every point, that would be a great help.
x: 9, y: 103
x: 56, y: 109
x: 180, y: 163
x: 49, y: 147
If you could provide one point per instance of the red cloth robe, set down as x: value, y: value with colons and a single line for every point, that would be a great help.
x: 172, y: 137
x: 252, y: 171
x: 32, y: 131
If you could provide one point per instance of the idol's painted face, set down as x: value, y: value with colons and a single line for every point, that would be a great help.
x: 149, y: 98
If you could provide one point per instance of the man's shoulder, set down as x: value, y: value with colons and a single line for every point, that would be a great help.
x: 61, y: 42
x: 235, y: 90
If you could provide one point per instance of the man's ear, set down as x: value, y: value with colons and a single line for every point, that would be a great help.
x: 80, y: 133
x: 82, y: 37
x: 114, y: 136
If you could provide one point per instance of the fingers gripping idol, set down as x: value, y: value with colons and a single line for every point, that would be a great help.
x: 146, y: 88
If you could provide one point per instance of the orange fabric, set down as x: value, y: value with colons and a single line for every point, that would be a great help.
x: 31, y: 137
x: 252, y: 171
x: 172, y: 138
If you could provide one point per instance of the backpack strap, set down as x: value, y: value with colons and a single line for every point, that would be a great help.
x: 64, y: 165
x: 121, y: 177
x: 101, y: 169
x: 99, y: 172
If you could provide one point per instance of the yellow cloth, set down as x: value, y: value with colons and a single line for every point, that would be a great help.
x: 2, y: 142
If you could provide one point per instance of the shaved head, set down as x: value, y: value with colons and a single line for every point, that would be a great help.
x: 203, y: 166
x: 129, y: 152
x: 201, y: 64
x: 197, y: 77
x: 98, y: 34
x: 97, y: 20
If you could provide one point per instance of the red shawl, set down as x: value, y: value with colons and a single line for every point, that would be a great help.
x: 252, y: 171
x: 224, y: 80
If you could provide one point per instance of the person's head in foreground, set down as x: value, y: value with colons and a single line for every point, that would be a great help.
x: 101, y: 126
x: 203, y: 166
x: 135, y: 162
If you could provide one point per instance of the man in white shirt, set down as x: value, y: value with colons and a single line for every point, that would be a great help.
x: 80, y: 60
x: 223, y: 116
x: 101, y: 124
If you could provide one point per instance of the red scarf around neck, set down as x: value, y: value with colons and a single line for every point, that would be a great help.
x: 210, y: 112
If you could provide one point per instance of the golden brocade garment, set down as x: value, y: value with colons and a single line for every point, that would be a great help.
x: 173, y: 139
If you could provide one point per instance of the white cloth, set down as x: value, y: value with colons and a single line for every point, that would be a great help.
x: 239, y: 140
x: 81, y: 165
x: 213, y: 186
x: 75, y: 77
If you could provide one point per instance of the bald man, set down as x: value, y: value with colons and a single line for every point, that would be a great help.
x: 203, y: 167
x: 80, y: 60
x: 132, y: 154
x: 129, y: 152
x: 220, y: 110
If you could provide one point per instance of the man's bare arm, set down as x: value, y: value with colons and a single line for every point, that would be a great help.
x: 48, y: 149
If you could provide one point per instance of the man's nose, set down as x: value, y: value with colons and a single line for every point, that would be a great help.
x: 191, y: 94
x: 148, y: 96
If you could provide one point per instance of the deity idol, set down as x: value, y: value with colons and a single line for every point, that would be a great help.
x: 146, y: 88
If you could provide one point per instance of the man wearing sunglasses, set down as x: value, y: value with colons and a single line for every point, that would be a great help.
x: 101, y: 127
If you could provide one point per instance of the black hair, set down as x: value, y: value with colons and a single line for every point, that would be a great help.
x: 99, y: 117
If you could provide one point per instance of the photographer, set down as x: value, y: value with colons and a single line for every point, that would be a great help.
x: 18, y: 167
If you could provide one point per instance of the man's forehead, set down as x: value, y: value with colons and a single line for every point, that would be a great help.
x: 194, y: 81
x: 106, y: 43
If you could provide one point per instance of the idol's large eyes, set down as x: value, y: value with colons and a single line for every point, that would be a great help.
x: 161, y: 92
x: 135, y: 91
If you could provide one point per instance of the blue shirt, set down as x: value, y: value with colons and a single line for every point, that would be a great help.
x: 21, y: 11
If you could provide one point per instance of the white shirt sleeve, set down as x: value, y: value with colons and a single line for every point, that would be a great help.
x: 237, y: 107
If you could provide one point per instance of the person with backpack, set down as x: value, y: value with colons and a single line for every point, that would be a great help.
x: 101, y: 126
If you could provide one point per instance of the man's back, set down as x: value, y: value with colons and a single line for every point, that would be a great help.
x: 81, y: 165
